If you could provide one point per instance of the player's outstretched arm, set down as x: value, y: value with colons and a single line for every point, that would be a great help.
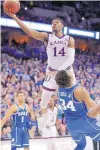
x: 94, y: 111
x: 9, y: 113
x: 70, y: 55
x: 42, y: 36
x: 82, y: 94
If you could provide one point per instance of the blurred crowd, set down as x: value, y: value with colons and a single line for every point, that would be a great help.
x: 28, y: 75
x: 79, y: 18
x: 35, y: 50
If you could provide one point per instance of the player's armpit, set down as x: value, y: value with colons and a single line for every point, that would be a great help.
x: 71, y: 42
x: 81, y: 94
x: 10, y: 111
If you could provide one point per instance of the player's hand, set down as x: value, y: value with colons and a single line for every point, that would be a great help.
x: 31, y: 133
x: 8, y: 12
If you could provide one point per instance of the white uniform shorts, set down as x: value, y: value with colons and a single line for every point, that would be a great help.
x: 49, y: 132
x: 50, y: 83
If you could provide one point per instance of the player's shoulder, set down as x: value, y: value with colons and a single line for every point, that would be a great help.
x: 45, y: 34
x: 79, y: 89
x: 79, y: 92
x: 51, y: 35
x: 13, y: 108
x: 71, y: 38
x: 71, y: 42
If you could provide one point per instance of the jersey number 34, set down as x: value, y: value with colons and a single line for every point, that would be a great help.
x: 69, y: 105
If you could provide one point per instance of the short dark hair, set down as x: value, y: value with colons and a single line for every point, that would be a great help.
x: 20, y: 92
x: 63, y: 79
x: 59, y: 19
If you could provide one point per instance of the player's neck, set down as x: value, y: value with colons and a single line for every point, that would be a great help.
x: 59, y: 34
x: 51, y: 108
x: 70, y: 86
x: 21, y: 104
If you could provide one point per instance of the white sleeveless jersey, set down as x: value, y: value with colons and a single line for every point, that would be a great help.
x: 52, y: 115
x: 57, y: 50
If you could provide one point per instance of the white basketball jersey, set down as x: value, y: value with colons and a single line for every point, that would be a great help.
x: 57, y: 50
x: 52, y: 115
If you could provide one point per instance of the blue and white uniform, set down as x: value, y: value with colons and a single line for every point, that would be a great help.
x: 78, y: 123
x: 19, y: 135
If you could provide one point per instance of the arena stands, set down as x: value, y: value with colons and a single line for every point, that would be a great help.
x: 73, y: 13
x: 28, y: 75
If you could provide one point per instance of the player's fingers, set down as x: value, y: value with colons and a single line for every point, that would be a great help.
x: 6, y: 10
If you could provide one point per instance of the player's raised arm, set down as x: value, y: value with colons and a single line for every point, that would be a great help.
x: 82, y: 95
x: 70, y: 54
x: 42, y: 36
x: 8, y: 114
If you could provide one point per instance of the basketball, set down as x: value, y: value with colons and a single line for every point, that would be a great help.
x: 13, y: 5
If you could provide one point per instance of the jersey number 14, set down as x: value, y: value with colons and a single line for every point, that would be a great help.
x: 69, y: 105
x: 61, y: 52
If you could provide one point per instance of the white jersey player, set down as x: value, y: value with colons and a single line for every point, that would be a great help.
x: 60, y: 51
x: 49, y: 129
x: 57, y: 51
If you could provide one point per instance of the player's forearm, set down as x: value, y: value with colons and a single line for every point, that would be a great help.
x: 3, y: 121
x: 27, y: 30
x: 94, y: 111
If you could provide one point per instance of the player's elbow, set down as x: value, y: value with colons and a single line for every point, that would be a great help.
x: 89, y: 114
x: 34, y: 34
